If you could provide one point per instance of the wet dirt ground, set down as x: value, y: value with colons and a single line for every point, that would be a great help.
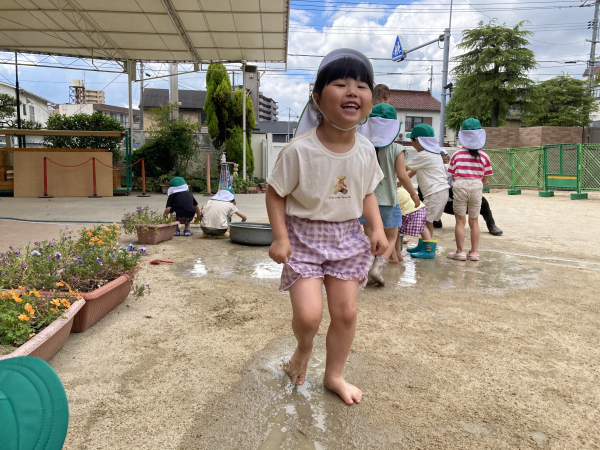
x: 500, y: 353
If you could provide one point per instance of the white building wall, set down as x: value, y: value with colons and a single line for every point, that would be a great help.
x: 70, y: 110
x: 30, y: 101
x: 403, y: 113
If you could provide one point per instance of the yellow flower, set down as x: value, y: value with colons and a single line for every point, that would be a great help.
x: 54, y: 310
x: 29, y: 308
x: 91, y: 243
x: 100, y: 242
x: 89, y: 234
x: 79, y: 297
x: 106, y: 229
x: 55, y: 302
x: 59, y: 284
x: 24, y: 317
x: 65, y: 303
x: 22, y: 288
x: 35, y: 293
x: 17, y: 299
x: 94, y: 239
x: 115, y: 224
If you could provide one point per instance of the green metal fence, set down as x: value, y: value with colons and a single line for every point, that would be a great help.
x: 569, y: 167
x: 518, y: 168
x: 589, y: 168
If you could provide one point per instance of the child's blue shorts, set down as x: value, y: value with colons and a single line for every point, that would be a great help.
x: 391, y: 216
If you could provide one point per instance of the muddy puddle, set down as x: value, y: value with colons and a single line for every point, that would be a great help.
x: 266, y: 412
x: 496, y: 271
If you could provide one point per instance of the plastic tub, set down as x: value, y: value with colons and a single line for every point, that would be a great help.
x: 251, y: 233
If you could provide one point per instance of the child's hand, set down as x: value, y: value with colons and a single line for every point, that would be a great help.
x: 415, y: 198
x: 281, y: 250
x: 379, y: 243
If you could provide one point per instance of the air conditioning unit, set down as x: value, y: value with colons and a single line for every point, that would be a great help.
x: 400, y: 135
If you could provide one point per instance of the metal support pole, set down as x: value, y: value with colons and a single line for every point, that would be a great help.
x: 244, y: 120
x: 130, y: 75
x: 431, y: 79
x: 18, y: 99
x: 94, y: 179
x: 144, y: 181
x: 444, y: 83
x: 141, y: 127
x: 45, y: 182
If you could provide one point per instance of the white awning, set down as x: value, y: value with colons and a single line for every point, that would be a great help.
x: 196, y: 31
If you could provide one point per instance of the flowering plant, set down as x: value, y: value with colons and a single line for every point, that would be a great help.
x: 25, y: 312
x: 91, y: 260
x: 144, y: 216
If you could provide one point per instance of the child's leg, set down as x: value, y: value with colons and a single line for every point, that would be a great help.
x: 426, y: 235
x: 475, y: 232
x: 306, y: 295
x: 429, y: 230
x: 459, y: 232
x: 392, y: 236
x: 342, y: 298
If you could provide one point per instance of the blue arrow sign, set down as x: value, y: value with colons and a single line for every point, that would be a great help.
x: 398, y: 52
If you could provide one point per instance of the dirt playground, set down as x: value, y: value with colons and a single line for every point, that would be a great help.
x: 497, y: 354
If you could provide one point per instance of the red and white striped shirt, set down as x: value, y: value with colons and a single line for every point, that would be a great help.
x: 463, y: 165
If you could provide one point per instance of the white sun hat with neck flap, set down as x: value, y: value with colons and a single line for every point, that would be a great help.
x: 472, y: 136
x: 310, y: 115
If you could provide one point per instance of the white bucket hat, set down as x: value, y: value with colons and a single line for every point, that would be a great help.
x: 472, y: 136
x: 310, y: 116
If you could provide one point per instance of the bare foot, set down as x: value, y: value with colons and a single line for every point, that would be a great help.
x: 347, y: 392
x: 295, y: 368
x: 394, y: 258
x: 406, y: 240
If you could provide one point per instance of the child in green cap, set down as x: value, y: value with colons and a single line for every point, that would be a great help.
x: 431, y: 176
x: 182, y: 203
x: 383, y: 130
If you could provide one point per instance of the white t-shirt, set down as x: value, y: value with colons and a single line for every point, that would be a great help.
x: 323, y: 185
x: 431, y: 173
x: 216, y: 213
x: 448, y: 175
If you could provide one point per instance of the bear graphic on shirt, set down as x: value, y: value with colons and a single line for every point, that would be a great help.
x: 340, y: 185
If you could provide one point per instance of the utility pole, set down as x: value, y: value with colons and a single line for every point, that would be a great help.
x: 174, y: 89
x: 244, y: 121
x: 141, y: 126
x: 444, y: 83
x: 18, y: 99
x: 287, y: 137
x: 592, y: 63
x: 431, y: 79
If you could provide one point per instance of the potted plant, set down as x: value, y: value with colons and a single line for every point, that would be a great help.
x: 151, y: 227
x: 94, y: 264
x: 35, y: 325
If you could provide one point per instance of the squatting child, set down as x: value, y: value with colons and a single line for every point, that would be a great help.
x: 181, y: 202
x: 321, y: 184
x: 216, y: 214
x: 470, y: 168
x: 431, y: 177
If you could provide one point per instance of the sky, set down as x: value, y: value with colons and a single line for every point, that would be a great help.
x: 317, y: 27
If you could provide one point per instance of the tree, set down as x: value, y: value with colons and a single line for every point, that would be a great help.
x: 85, y: 122
x: 217, y: 103
x: 173, y: 143
x: 492, y: 73
x: 560, y: 101
x: 456, y: 115
x: 234, y: 142
x: 7, y: 110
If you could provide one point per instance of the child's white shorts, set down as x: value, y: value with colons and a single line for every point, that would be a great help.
x: 435, y: 204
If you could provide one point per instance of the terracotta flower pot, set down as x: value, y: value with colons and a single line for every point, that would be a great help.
x: 51, y: 339
x: 102, y: 301
x: 153, y: 234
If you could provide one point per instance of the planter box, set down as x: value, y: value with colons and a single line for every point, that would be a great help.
x: 165, y: 188
x: 153, y: 234
x: 51, y: 339
x: 100, y: 302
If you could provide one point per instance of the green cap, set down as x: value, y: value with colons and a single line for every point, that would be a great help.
x: 34, y: 412
x: 421, y: 130
x: 471, y: 124
x: 177, y: 181
x: 384, y: 111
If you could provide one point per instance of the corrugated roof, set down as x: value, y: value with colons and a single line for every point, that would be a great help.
x: 419, y: 100
x: 276, y: 127
x: 148, y: 30
x: 105, y: 107
x: 190, y: 99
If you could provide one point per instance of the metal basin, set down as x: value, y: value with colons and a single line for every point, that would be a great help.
x: 251, y: 233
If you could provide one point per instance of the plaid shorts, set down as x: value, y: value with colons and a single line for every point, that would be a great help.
x: 413, y: 223
x: 184, y: 220
x: 319, y: 248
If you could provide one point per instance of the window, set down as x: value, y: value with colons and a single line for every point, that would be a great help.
x: 122, y: 119
x: 32, y: 112
x: 203, y: 117
x: 24, y: 109
x: 113, y: 115
x: 412, y: 122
